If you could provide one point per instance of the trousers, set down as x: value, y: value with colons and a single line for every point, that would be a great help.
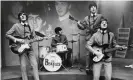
x: 107, y: 66
x: 33, y: 61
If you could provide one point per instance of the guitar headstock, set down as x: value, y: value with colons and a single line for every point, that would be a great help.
x: 131, y: 46
x: 123, y: 47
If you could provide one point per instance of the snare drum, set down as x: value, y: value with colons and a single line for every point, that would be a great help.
x: 61, y: 48
x: 52, y: 62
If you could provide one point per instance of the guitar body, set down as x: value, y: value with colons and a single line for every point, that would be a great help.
x: 19, y: 48
x: 104, y: 51
x: 98, y: 57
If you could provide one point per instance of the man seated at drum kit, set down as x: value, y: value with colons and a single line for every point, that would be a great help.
x: 60, y: 43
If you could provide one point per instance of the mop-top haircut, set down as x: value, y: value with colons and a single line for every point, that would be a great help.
x: 92, y: 4
x: 57, y: 29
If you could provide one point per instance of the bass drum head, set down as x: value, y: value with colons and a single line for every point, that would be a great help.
x: 52, y: 62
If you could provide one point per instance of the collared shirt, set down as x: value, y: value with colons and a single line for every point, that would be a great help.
x: 19, y: 30
x: 59, y: 39
x: 92, y: 21
x: 100, y: 39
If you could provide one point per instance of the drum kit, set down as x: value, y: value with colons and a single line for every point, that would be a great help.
x: 51, y: 60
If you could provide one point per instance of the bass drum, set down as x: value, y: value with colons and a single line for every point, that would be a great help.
x: 52, y: 62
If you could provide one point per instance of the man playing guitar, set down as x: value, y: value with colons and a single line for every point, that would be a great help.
x: 25, y: 34
x: 90, y: 24
x: 102, y: 55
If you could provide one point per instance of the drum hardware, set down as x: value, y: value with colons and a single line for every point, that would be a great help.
x: 72, y: 41
x: 42, y: 52
x: 61, y: 48
x: 52, y: 62
x: 50, y: 59
x: 79, y: 34
x: 79, y: 64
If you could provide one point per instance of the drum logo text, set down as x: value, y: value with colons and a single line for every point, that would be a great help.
x: 51, y: 63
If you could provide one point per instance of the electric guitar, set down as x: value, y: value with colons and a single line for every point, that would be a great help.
x: 19, y: 48
x: 103, y: 55
x: 90, y: 28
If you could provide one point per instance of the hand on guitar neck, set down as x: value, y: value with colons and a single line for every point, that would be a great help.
x: 117, y: 47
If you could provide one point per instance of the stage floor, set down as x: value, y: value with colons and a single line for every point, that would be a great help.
x: 119, y: 71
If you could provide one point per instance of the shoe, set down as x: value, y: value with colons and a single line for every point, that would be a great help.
x: 88, y: 71
x: 131, y: 66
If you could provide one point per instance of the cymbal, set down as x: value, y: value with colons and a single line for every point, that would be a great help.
x: 79, y: 34
x: 72, y: 41
x: 74, y: 34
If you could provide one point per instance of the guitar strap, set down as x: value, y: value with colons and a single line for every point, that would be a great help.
x: 108, y: 37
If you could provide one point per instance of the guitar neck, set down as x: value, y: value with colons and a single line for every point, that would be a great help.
x: 113, y: 49
x: 36, y: 39
x: 110, y: 50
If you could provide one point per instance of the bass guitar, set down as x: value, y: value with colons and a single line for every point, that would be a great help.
x: 103, y: 53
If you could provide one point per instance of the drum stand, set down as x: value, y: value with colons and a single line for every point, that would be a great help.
x: 39, y: 66
x: 79, y: 65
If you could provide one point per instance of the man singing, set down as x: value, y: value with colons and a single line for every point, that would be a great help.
x: 99, y: 39
x: 23, y: 30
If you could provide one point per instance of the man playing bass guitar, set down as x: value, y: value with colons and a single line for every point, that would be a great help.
x: 96, y: 45
x: 24, y: 32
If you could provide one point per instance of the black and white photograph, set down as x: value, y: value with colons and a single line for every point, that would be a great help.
x: 66, y: 40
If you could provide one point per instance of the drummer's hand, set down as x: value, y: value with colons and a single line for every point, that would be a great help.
x: 59, y: 43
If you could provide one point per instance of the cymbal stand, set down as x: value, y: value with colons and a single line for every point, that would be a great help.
x: 79, y: 63
x: 72, y: 53
x: 78, y: 56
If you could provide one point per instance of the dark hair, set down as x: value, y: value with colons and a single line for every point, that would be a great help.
x: 103, y: 19
x: 57, y: 29
x: 92, y: 4
x: 23, y: 14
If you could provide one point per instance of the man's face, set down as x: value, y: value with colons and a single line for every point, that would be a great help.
x: 60, y: 32
x: 34, y: 21
x: 93, y: 9
x: 104, y: 24
x: 62, y: 8
x: 23, y: 17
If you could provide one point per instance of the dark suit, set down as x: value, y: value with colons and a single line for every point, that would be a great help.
x: 62, y: 39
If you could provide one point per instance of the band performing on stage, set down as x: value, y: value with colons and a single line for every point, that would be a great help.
x: 30, y: 33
